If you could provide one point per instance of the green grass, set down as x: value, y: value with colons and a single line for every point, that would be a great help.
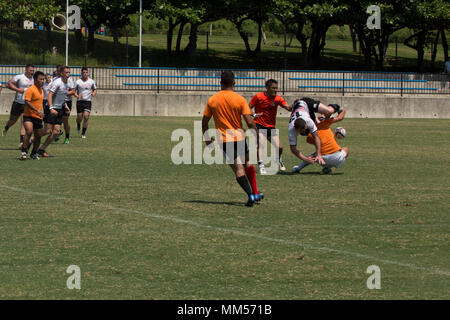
x: 140, y: 227
x: 226, y: 51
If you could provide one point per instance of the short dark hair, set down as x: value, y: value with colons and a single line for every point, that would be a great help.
x: 63, y: 68
x: 84, y: 68
x: 29, y: 66
x: 270, y: 82
x: 227, y: 78
x: 37, y: 74
x: 300, y: 124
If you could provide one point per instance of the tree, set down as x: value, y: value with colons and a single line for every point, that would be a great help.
x: 424, y: 16
x: 254, y: 10
x: 310, y: 20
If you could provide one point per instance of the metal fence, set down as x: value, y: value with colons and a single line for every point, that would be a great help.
x: 250, y: 80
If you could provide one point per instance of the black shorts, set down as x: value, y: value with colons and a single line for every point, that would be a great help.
x: 37, y: 123
x: 46, y: 109
x: 84, y: 106
x: 69, y: 105
x: 232, y: 150
x: 57, y: 118
x: 17, y: 109
x: 270, y: 131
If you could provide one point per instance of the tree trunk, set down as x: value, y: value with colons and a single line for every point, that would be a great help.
x: 303, y: 41
x: 354, y: 40
x: 419, y: 47
x: 49, y: 35
x: 192, y: 45
x: 79, y: 40
x: 365, y: 45
x: 180, y: 35
x: 444, y: 44
x: 435, y: 47
x: 172, y: 26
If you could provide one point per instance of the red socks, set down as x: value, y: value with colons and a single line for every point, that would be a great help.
x: 251, y: 176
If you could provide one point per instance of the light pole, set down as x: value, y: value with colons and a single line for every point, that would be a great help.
x: 67, y: 33
x: 140, y: 33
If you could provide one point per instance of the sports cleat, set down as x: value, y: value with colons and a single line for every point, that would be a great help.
x: 337, y: 108
x: 42, y: 153
x: 67, y: 141
x: 259, y: 196
x: 59, y: 135
x: 83, y: 137
x: 34, y: 156
x: 251, y: 201
x: 326, y: 170
x: 262, y: 170
x: 23, y: 156
x: 296, y: 169
x: 282, y: 167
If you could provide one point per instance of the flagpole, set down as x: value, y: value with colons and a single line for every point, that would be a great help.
x: 67, y: 33
x: 140, y: 34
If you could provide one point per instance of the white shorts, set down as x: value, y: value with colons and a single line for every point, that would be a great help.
x: 334, y: 159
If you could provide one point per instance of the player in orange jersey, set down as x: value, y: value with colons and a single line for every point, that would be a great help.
x: 332, y: 153
x: 227, y: 107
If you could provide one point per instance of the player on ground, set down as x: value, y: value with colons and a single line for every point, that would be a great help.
x: 332, y: 153
x: 266, y: 106
x: 58, y: 91
x: 32, y: 116
x: 19, y: 84
x: 227, y: 107
x: 85, y: 89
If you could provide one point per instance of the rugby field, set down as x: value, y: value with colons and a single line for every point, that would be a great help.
x: 140, y: 227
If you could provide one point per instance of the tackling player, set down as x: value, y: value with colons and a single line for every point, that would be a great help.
x: 332, y: 153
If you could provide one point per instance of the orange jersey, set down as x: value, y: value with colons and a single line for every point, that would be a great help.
x: 268, y: 106
x: 227, y: 107
x: 328, y: 143
x: 35, y: 96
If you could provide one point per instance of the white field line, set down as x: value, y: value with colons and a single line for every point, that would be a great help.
x: 240, y: 233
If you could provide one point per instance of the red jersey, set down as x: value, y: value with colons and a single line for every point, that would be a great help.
x: 268, y: 106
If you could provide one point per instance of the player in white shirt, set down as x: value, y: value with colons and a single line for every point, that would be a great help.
x: 303, y: 121
x: 66, y: 115
x: 20, y: 83
x: 58, y: 91
x: 85, y: 89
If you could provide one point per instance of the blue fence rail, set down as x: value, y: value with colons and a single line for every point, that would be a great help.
x: 251, y: 80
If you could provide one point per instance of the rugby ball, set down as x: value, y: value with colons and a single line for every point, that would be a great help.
x: 340, y: 133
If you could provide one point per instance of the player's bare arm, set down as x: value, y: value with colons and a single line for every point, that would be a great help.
x: 318, y: 145
x: 11, y: 85
x: 301, y: 156
x: 340, y: 116
x: 205, y: 121
x: 249, y: 120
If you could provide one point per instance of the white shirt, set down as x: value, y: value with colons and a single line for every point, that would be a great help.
x: 71, y: 85
x: 85, y: 89
x: 310, y: 125
x: 60, y: 90
x: 22, y: 82
x: 46, y: 87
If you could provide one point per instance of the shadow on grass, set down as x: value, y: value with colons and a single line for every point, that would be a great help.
x: 311, y: 173
x: 229, y: 203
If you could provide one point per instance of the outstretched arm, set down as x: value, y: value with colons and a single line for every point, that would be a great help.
x: 340, y: 116
x: 301, y: 156
x: 318, y: 145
